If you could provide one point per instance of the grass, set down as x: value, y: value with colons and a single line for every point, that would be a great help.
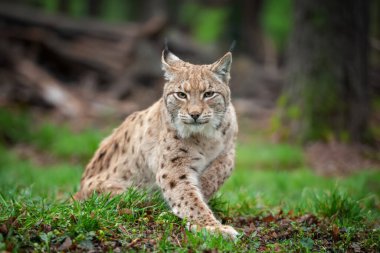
x: 57, y: 140
x: 275, y: 209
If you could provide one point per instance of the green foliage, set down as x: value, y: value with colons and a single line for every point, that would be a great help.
x: 206, y: 24
x: 78, y: 8
x: 276, y: 20
x: 116, y: 10
x: 50, y: 5
x: 338, y: 206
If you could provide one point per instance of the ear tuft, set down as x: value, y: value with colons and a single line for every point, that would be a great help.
x: 168, y: 60
x: 222, y: 67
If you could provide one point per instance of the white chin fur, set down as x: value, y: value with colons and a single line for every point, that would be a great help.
x: 187, y: 130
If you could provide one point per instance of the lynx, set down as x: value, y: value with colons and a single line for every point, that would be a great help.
x: 184, y: 144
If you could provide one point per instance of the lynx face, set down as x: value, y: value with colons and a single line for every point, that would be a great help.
x: 196, y: 96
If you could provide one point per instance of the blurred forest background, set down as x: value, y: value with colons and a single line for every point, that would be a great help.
x: 305, y: 84
x: 308, y: 73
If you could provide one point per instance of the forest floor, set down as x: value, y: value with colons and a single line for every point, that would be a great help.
x: 273, y: 199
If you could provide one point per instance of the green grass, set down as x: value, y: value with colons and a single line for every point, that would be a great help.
x: 272, y: 198
x: 48, y: 181
x: 57, y: 140
x: 264, y: 155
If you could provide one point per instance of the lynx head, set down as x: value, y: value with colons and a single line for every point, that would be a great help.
x: 196, y: 96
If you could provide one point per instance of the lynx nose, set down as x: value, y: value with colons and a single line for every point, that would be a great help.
x: 195, y: 116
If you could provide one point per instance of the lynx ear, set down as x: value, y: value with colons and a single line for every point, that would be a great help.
x: 169, y: 61
x: 222, y: 67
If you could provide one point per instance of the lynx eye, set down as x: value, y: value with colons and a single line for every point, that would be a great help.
x: 208, y: 94
x: 181, y: 95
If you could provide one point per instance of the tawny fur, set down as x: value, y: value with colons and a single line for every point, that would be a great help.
x: 164, y: 146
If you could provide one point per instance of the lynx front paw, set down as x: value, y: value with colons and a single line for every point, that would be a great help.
x: 225, y: 230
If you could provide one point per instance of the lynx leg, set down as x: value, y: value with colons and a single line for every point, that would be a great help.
x: 181, y: 191
x: 217, y: 172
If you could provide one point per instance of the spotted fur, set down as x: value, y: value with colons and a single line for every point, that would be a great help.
x: 184, y: 144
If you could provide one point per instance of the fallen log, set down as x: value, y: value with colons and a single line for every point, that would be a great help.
x: 49, y: 88
x: 28, y: 16
x: 53, y: 60
x: 98, y: 46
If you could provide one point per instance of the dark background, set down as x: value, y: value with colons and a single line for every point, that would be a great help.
x: 307, y: 72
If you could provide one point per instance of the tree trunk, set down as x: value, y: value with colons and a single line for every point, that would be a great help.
x: 252, y: 36
x: 327, y: 94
